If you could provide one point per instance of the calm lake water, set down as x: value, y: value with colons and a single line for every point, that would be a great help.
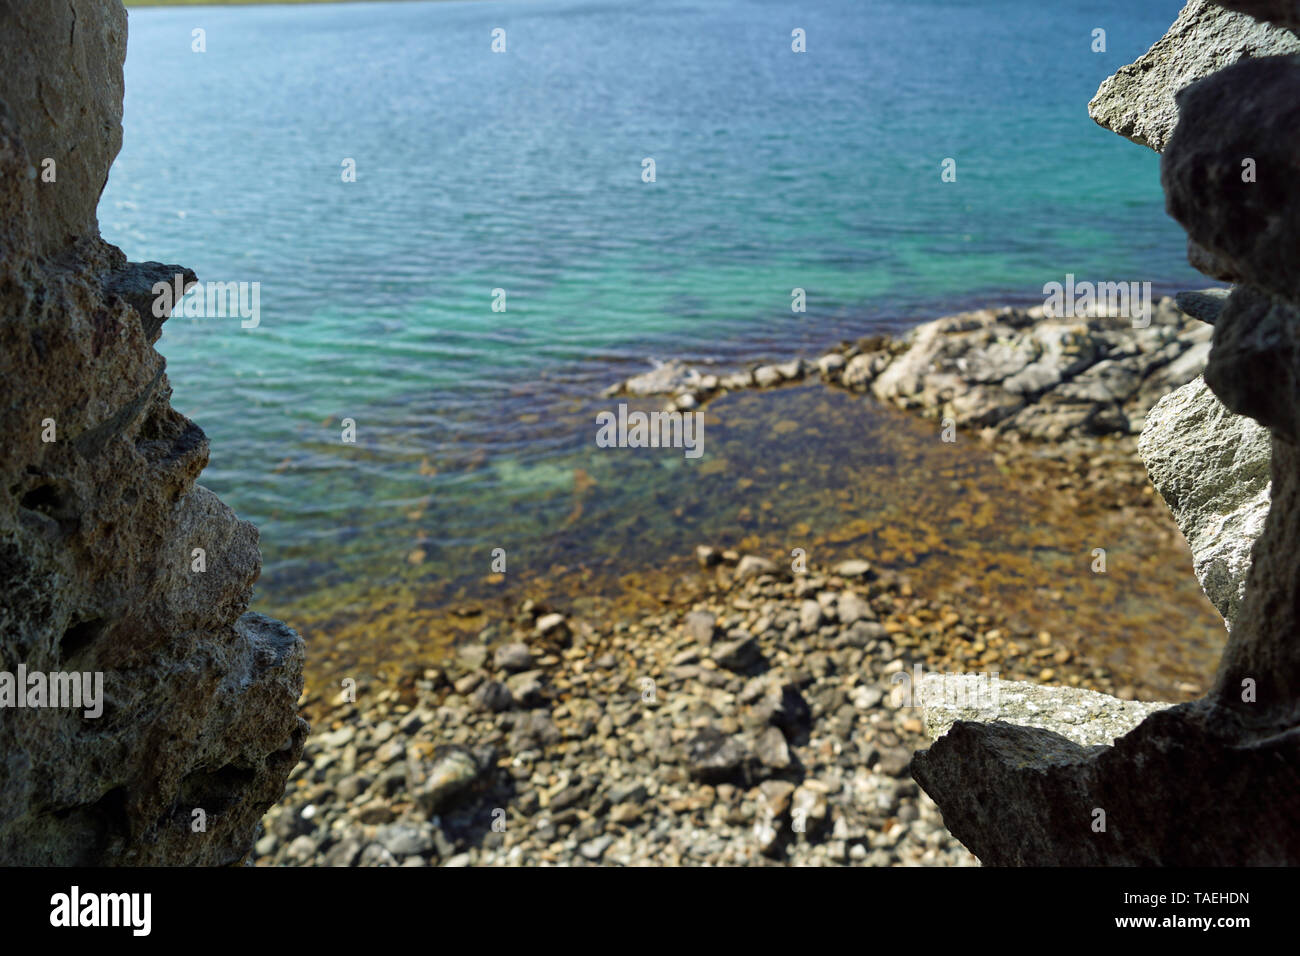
x: 522, y: 171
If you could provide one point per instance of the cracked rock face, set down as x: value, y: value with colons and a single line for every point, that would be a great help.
x: 1035, y: 377
x: 1212, y: 782
x: 100, y: 516
x: 1212, y: 469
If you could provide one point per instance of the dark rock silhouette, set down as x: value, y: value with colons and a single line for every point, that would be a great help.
x: 1212, y: 782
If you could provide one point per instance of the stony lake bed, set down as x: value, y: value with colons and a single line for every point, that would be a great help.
x: 693, y: 696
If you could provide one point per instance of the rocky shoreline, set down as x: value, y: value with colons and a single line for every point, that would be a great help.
x: 770, y: 722
x: 1011, y: 375
x: 767, y: 723
x: 771, y: 719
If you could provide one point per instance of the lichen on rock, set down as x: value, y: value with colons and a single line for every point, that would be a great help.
x: 1080, y: 715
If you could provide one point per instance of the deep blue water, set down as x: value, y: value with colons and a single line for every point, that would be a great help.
x: 522, y: 171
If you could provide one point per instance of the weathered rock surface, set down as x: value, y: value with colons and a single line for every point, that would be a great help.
x: 1042, y: 378
x: 101, y: 514
x: 664, y: 377
x: 62, y: 82
x: 1083, y: 716
x: 1212, y: 469
x: 1205, y: 304
x: 1188, y: 787
x: 1138, y: 101
x: 1228, y: 174
x: 1253, y: 367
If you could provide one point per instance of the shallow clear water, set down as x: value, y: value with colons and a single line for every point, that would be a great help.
x: 522, y: 171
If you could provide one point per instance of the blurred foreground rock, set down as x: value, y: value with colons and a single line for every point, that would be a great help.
x: 1212, y: 469
x: 101, y: 515
x: 1213, y: 782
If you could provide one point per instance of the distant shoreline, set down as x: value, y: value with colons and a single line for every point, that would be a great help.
x: 244, y: 3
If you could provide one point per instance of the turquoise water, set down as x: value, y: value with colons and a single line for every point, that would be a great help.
x: 523, y: 171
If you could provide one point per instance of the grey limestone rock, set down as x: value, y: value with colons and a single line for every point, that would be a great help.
x: 1138, y: 101
x: 1083, y: 716
x: 1212, y: 469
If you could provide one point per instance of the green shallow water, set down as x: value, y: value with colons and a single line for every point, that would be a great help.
x: 801, y: 467
x: 522, y: 171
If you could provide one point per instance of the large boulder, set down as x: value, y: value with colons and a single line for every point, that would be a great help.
x: 1189, y: 786
x: 1212, y: 782
x: 1138, y: 102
